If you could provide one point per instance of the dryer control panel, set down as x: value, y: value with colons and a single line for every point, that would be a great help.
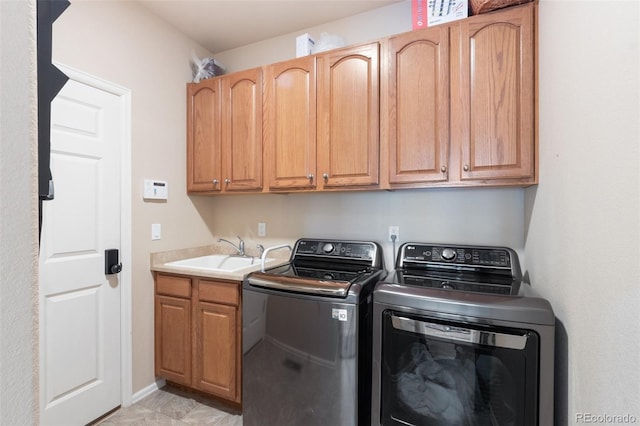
x: 436, y: 256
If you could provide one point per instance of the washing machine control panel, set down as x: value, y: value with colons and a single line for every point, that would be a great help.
x: 352, y: 250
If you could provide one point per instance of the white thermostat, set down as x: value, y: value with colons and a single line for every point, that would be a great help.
x: 155, y: 190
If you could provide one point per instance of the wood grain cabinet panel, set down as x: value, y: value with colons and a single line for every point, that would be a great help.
x: 349, y: 116
x: 219, y: 292
x: 493, y: 95
x: 204, y: 161
x: 242, y: 130
x: 290, y: 124
x: 452, y: 105
x: 224, y: 133
x: 173, y: 339
x: 216, y: 350
x: 198, y: 337
x: 418, y: 106
x: 173, y: 286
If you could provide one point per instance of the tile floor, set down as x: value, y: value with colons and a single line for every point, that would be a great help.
x: 174, y: 407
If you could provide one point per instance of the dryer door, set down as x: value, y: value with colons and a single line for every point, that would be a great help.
x: 437, y: 372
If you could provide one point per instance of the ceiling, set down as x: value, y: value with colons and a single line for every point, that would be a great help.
x: 220, y: 25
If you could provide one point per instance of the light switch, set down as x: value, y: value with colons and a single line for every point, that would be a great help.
x: 156, y: 231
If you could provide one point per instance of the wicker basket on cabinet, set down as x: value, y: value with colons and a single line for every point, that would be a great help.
x: 483, y: 6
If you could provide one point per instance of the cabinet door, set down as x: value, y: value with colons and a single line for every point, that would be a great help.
x: 290, y: 124
x: 418, y: 106
x: 242, y: 130
x: 173, y: 339
x: 493, y: 111
x: 203, y: 136
x: 348, y: 116
x: 216, y: 350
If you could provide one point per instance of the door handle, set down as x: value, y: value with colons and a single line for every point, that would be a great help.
x: 112, y: 263
x: 461, y: 334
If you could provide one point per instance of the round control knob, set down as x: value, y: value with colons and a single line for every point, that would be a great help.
x: 448, y: 254
x: 328, y: 276
x: 328, y: 248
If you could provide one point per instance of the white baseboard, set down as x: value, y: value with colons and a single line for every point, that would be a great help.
x: 143, y: 393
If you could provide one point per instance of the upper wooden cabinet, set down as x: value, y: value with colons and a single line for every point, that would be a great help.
x: 348, y: 116
x: 493, y: 96
x: 451, y: 105
x: 242, y: 130
x: 290, y: 124
x: 417, y: 106
x: 224, y: 133
x: 204, y: 162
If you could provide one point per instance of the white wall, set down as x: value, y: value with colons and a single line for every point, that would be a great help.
x: 18, y: 215
x: 123, y: 43
x: 583, y: 220
x: 367, y: 26
x: 471, y: 216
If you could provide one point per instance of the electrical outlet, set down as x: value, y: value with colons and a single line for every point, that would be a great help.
x: 394, y: 230
x: 262, y: 229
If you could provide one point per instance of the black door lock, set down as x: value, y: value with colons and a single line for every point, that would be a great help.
x: 112, y: 263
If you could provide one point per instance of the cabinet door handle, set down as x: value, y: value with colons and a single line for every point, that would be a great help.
x: 216, y: 182
x: 465, y: 168
x: 310, y: 176
x: 443, y: 169
x: 325, y: 176
x: 227, y: 181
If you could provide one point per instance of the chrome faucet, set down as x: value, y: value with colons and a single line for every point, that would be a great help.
x: 239, y: 247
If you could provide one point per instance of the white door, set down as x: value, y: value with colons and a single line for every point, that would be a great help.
x: 79, y: 304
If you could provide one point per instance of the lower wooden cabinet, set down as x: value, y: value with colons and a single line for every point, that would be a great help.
x: 197, y: 332
x: 216, y: 367
x: 173, y: 339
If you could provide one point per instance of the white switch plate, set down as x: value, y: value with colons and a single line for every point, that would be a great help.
x: 156, y: 231
x: 262, y: 229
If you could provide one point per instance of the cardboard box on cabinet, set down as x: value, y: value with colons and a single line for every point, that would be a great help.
x: 427, y: 13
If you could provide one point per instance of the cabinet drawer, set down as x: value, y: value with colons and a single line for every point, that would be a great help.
x: 173, y: 286
x: 219, y: 292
